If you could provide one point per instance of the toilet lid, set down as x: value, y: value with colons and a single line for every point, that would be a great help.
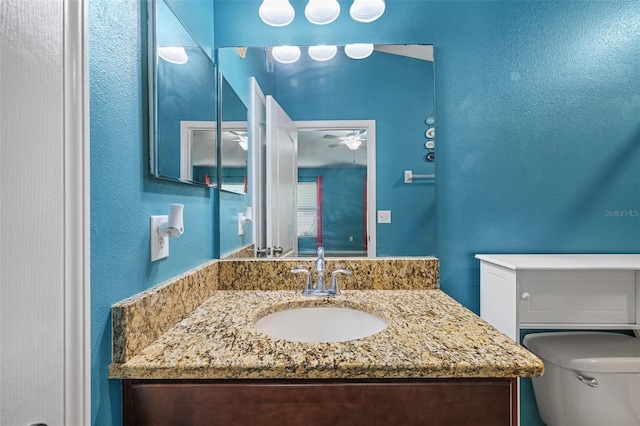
x: 597, y: 352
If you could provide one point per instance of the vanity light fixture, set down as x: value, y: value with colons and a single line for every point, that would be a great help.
x: 358, y: 50
x: 276, y: 13
x: 322, y: 12
x: 173, y: 54
x: 286, y: 54
x: 322, y: 52
x: 290, y: 54
x: 367, y: 10
x: 279, y: 13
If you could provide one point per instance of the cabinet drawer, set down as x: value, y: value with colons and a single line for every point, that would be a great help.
x: 593, y: 297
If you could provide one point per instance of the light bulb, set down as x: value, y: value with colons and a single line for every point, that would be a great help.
x: 286, y: 54
x: 358, y: 50
x: 366, y: 10
x: 322, y: 53
x: 322, y: 12
x: 353, y: 144
x: 276, y: 13
x: 173, y: 54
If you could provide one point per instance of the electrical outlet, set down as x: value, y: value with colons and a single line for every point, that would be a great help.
x: 384, y: 216
x: 159, y: 245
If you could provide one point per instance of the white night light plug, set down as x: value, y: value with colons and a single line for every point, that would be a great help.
x: 163, y: 227
x: 173, y: 227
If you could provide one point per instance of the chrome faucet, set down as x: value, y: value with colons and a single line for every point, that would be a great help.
x: 320, y: 270
x: 307, y: 286
x: 334, y: 280
x: 320, y: 289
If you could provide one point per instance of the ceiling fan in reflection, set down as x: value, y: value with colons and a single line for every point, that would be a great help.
x: 241, y: 138
x: 354, y: 140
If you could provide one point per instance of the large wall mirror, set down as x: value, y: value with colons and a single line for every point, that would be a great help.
x: 306, y: 153
x: 334, y: 138
x: 183, y: 100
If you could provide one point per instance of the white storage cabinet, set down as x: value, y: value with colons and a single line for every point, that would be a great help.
x: 563, y: 291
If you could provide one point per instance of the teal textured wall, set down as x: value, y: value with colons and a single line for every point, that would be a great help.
x: 123, y: 194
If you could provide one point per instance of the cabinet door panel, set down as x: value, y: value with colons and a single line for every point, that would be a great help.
x: 433, y: 402
x: 597, y: 297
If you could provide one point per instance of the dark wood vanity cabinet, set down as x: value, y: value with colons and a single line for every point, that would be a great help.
x: 432, y: 402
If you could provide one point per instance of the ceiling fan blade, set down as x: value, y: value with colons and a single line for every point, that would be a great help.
x: 332, y: 137
x: 333, y: 145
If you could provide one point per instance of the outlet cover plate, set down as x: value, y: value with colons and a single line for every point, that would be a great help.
x: 384, y: 216
x: 159, y: 245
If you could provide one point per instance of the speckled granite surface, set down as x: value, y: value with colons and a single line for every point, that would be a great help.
x: 141, y: 319
x: 247, y: 252
x: 428, y: 335
x: 407, y: 273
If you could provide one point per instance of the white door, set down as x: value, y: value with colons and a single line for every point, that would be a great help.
x: 281, y: 181
x: 44, y: 243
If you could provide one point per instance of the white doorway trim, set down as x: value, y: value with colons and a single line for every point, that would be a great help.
x: 257, y: 171
x: 77, y: 213
x: 370, y: 125
x: 187, y: 147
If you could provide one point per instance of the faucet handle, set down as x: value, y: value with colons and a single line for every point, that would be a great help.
x: 334, y: 279
x: 301, y: 270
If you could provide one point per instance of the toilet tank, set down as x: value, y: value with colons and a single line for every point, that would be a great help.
x: 590, y: 378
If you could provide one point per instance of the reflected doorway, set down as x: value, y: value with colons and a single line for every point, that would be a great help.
x: 336, y: 188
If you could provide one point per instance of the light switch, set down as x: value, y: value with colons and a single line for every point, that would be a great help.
x: 384, y: 216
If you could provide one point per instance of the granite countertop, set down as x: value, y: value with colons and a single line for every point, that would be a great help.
x: 429, y: 335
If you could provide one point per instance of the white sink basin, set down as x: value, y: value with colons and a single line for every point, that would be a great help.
x: 320, y: 324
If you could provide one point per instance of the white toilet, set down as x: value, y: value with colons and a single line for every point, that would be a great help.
x: 590, y: 378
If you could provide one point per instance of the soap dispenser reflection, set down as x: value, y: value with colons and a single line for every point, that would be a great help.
x: 163, y: 227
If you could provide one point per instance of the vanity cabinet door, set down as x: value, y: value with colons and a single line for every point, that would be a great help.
x: 350, y: 403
